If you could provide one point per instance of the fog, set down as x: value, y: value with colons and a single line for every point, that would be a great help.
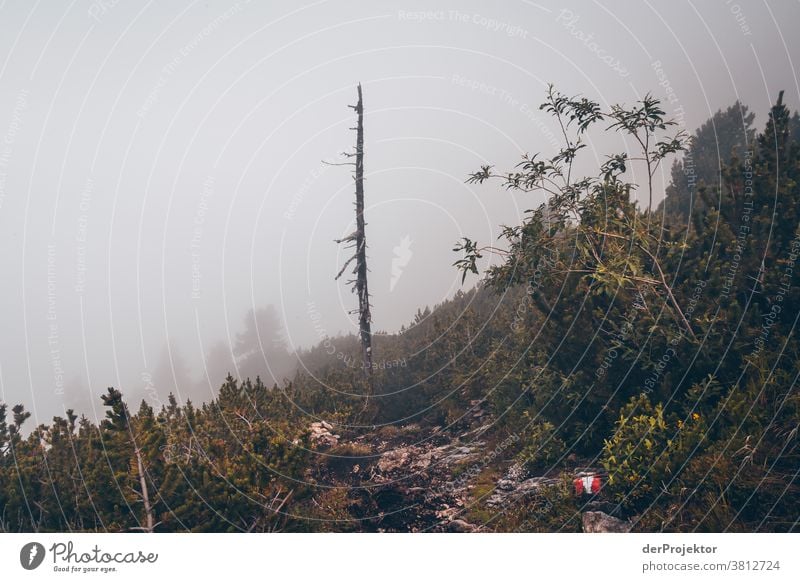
x: 165, y: 213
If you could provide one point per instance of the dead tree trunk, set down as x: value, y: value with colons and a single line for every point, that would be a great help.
x: 364, y: 315
x: 148, y: 510
x: 359, y: 240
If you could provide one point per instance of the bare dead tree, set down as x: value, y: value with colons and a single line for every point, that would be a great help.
x: 358, y: 241
x: 148, y: 509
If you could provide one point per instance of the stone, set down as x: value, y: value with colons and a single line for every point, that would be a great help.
x: 393, y: 460
x: 506, y: 485
x: 460, y: 526
x: 322, y: 436
x: 599, y: 522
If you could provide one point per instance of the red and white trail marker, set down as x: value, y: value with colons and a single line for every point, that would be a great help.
x: 587, y: 485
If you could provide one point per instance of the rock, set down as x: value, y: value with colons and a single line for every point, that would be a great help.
x: 460, y: 526
x: 599, y: 522
x: 506, y: 485
x: 322, y: 436
x: 451, y: 454
x: 509, y: 490
x: 590, y: 472
x: 516, y: 472
x: 476, y: 431
x: 411, y: 458
x: 534, y: 483
x: 421, y: 462
x: 447, y: 514
x: 607, y: 507
x: 393, y: 460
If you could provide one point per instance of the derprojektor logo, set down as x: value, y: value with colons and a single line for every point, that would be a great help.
x: 31, y: 555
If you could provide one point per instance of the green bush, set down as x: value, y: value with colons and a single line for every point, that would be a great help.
x: 542, y: 447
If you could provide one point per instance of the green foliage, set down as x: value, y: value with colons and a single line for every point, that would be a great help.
x: 646, y: 450
x: 729, y: 133
x: 668, y: 353
x: 669, y: 412
x: 550, y: 509
x: 542, y: 448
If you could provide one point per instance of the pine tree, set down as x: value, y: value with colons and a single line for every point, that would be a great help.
x: 123, y: 446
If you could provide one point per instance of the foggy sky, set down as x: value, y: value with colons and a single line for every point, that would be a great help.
x: 161, y: 175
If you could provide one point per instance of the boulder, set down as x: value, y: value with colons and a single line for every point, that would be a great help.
x: 599, y: 522
x: 320, y: 433
x: 393, y: 460
x: 460, y: 526
x: 508, y: 491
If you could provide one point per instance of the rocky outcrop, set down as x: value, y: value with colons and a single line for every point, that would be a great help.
x: 416, y: 490
x: 476, y: 410
x: 514, y: 485
x: 508, y: 491
x: 407, y: 479
x: 460, y: 526
x: 599, y: 522
x: 417, y: 458
x: 321, y: 434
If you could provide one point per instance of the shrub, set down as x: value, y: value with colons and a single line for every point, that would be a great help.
x: 541, y: 447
